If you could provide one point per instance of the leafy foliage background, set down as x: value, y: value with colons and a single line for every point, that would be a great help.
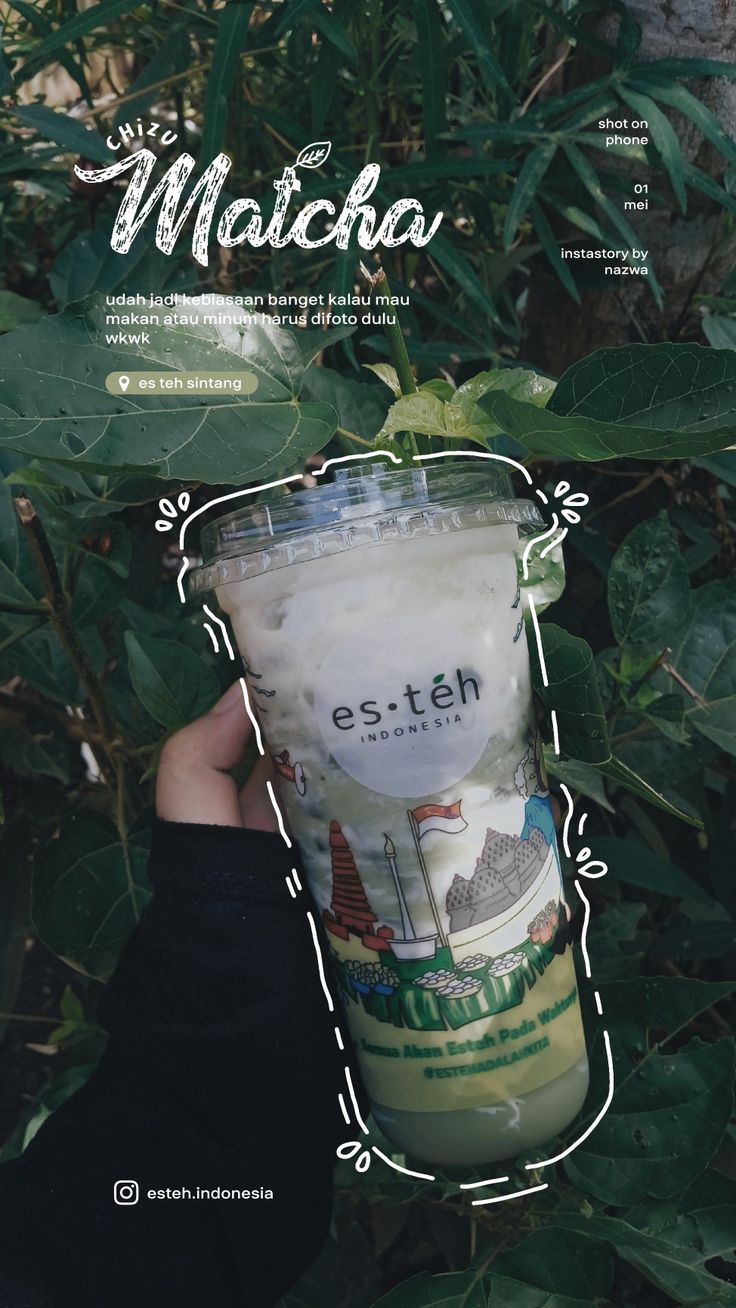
x: 487, y: 111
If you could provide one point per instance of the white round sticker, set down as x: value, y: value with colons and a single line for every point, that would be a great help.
x: 408, y: 710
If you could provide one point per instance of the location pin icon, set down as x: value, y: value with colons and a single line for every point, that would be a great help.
x: 124, y: 383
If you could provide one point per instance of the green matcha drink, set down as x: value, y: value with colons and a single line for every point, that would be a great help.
x: 381, y: 625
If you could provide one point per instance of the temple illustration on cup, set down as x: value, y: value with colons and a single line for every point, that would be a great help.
x: 450, y: 975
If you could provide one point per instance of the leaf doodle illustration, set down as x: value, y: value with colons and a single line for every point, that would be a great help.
x: 313, y: 154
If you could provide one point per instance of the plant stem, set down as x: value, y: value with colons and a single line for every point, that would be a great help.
x: 15, y: 636
x: 397, y: 346
x: 71, y: 726
x: 100, y: 110
x: 353, y: 436
x: 678, y: 677
x: 61, y: 617
x: 25, y: 610
x: 395, y: 338
x: 659, y: 662
x: 29, y: 1017
x: 639, y: 730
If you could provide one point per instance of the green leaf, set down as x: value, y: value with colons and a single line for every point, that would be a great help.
x: 583, y: 777
x: 436, y: 353
x: 6, y: 77
x: 717, y: 722
x: 312, y: 342
x: 630, y: 861
x: 14, y: 896
x: 98, y: 15
x: 678, y: 97
x: 570, y: 1269
x: 89, y: 892
x: 99, y: 590
x: 722, y: 466
x: 521, y: 383
x: 571, y: 691
x: 40, y: 660
x: 346, y: 1273
x: 108, y: 543
x: 425, y: 413
x: 635, y: 155
x: 525, y: 189
x: 72, y: 418
x: 639, y: 401
x: 703, y: 182
x: 449, y: 1290
x: 648, y: 586
x: 431, y: 55
x: 35, y: 753
x: 64, y: 131
x: 545, y: 576
x: 293, y: 13
x: 40, y: 23
x: 65, y: 1083
x: 703, y: 938
x: 671, y: 1254
x: 592, y: 183
x: 667, y: 386
x: 438, y: 386
x: 360, y: 406
x: 548, y: 433
x: 621, y: 774
x: 19, y: 581
x: 171, y: 57
x: 172, y: 682
x: 387, y: 374
x: 462, y: 273
x: 461, y: 418
x: 668, y: 713
x: 551, y: 248
x: 71, y: 1006
x: 705, y: 656
x: 688, y: 66
x: 88, y: 265
x: 17, y: 311
x: 720, y: 332
x: 663, y: 135
x: 479, y: 36
x: 669, y: 1111
x: 616, y: 942
x: 334, y: 32
x: 232, y: 35
x: 575, y: 30
x: 572, y: 213
x: 323, y: 83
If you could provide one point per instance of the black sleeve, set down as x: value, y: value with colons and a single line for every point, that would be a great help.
x: 222, y: 1070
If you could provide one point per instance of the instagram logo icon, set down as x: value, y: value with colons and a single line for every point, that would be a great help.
x: 125, y: 1192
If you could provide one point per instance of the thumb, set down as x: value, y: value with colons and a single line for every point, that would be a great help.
x: 193, y: 784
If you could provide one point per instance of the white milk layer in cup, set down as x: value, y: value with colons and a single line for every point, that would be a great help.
x: 380, y: 621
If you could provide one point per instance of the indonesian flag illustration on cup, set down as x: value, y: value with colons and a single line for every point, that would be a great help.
x: 438, y: 817
x: 293, y: 772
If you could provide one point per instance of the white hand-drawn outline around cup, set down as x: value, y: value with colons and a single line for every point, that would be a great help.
x: 570, y: 503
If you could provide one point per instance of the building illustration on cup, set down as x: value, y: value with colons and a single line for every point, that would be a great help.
x: 438, y: 980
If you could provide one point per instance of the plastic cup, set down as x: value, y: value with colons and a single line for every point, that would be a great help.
x: 380, y: 621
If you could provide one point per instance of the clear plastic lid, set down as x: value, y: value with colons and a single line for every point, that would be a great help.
x: 367, y: 504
